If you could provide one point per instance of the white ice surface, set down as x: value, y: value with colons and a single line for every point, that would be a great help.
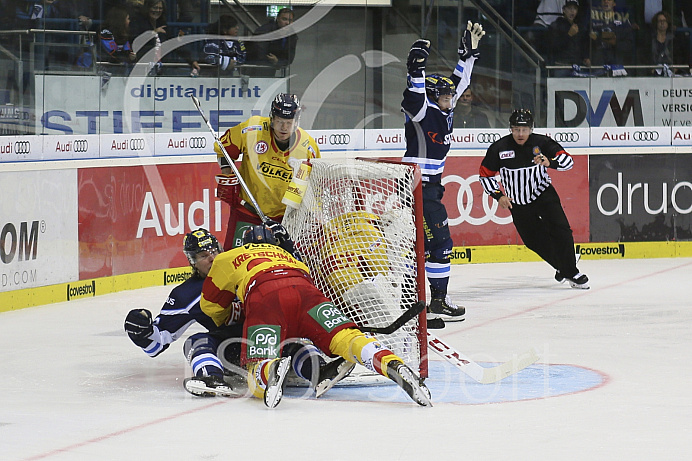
x: 75, y: 388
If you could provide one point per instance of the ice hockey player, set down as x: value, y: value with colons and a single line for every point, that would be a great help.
x: 280, y: 301
x: 428, y: 106
x: 182, y: 309
x: 522, y: 159
x: 271, y: 146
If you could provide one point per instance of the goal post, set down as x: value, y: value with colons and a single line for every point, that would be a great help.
x: 359, y: 228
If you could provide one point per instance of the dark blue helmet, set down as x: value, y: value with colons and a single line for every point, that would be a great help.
x: 437, y: 85
x: 286, y: 106
x: 258, y: 234
x: 197, y: 241
x: 521, y: 117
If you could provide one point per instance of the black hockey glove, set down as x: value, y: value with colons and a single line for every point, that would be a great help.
x: 418, y: 57
x: 279, y: 231
x: 139, y: 325
x: 468, y: 45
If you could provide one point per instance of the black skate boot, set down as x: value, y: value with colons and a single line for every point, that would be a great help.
x: 442, y: 307
x: 409, y: 382
x: 579, y: 281
x: 332, y: 373
x: 278, y: 369
x: 208, y: 386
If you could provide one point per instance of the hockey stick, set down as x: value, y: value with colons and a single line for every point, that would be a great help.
x: 408, y: 314
x: 474, y: 370
x: 261, y: 215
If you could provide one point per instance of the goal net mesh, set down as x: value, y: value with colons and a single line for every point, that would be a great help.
x: 356, y: 230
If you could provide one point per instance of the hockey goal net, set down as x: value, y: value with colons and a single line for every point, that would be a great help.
x: 359, y: 230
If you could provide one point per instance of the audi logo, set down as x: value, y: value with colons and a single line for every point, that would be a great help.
x: 80, y: 145
x: 198, y: 143
x: 487, y: 138
x: 22, y: 147
x: 645, y: 135
x: 464, y: 202
x: 566, y: 136
x: 340, y: 138
x: 137, y: 144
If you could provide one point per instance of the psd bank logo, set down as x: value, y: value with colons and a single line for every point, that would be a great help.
x: 567, y: 101
x: 263, y: 341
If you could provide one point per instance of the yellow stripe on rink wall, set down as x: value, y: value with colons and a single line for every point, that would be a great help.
x: 625, y: 250
x: 29, y: 297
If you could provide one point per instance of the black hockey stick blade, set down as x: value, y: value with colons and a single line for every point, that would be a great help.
x: 410, y: 313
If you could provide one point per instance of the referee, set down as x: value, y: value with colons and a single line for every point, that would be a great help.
x: 522, y: 160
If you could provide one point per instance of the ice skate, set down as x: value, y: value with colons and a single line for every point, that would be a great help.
x: 579, y: 281
x: 409, y: 382
x: 278, y: 369
x: 442, y: 307
x: 332, y: 373
x: 208, y: 386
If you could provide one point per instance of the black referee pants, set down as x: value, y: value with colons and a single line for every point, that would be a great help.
x: 544, y: 228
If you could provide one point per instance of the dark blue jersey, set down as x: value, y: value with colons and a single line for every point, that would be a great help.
x: 427, y: 128
x: 178, y: 313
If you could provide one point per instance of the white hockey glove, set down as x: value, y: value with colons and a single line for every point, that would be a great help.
x: 468, y: 46
x: 418, y: 57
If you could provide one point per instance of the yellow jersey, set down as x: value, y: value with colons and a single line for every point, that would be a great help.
x: 233, y: 272
x: 264, y: 166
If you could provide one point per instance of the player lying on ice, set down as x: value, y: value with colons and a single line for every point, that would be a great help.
x: 280, y: 302
x: 204, y: 350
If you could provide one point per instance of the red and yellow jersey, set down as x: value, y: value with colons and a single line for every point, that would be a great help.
x: 264, y: 166
x: 233, y: 272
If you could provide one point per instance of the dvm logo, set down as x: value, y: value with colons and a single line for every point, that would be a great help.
x: 263, y: 341
x: 463, y: 255
x: 601, y: 251
x: 81, y: 291
x: 23, y: 245
x: 339, y: 139
x: 585, y: 111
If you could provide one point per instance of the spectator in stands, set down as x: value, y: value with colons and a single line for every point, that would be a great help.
x: 187, y: 10
x: 547, y: 12
x: 114, y: 38
x: 276, y: 53
x: 663, y: 53
x: 567, y: 41
x: 224, y: 54
x: 152, y: 17
x: 612, y: 39
x: 641, y: 12
x: 467, y: 115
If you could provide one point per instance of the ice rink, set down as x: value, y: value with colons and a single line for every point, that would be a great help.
x: 613, y: 381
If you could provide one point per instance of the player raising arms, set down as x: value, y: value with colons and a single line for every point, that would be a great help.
x: 182, y: 309
x: 428, y: 107
x: 281, y: 302
x: 270, y: 147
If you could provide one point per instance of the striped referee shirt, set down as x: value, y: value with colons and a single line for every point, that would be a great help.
x: 522, y: 180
